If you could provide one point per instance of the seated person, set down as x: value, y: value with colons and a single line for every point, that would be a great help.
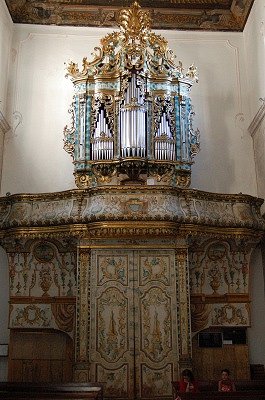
x: 226, y: 384
x: 187, y: 383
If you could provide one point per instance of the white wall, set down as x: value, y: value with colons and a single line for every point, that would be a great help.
x: 221, y: 108
x: 6, y: 31
x: 41, y: 95
x: 257, y: 131
x: 254, y: 38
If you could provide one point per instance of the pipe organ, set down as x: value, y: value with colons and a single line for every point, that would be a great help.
x: 127, y: 277
x: 132, y: 114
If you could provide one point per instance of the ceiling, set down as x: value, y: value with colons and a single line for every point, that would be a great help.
x: 212, y: 15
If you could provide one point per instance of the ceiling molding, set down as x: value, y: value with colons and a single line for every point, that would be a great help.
x: 207, y: 15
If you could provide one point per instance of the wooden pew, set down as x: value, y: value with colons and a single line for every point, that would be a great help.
x: 70, y: 391
x: 242, y: 395
x: 246, y: 390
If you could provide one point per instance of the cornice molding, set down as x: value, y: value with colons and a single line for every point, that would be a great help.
x: 257, y: 120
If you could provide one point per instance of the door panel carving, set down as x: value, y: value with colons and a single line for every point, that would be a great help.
x: 111, y: 340
x: 133, y: 340
x: 112, y: 329
x: 156, y: 324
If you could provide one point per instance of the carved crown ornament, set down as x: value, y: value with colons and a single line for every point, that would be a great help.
x: 131, y: 113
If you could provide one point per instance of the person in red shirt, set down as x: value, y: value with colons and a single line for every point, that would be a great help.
x: 226, y: 384
x: 188, y: 383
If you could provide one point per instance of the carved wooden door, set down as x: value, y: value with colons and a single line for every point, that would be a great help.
x: 133, y: 335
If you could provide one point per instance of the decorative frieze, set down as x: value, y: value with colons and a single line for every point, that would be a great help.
x: 77, y: 207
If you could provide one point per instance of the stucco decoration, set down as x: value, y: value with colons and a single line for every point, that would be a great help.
x: 219, y: 282
x: 220, y: 267
x: 42, y: 276
x: 42, y: 269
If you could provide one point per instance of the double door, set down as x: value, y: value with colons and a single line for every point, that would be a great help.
x: 133, y: 343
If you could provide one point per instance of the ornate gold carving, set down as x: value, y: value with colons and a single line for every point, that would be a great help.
x: 163, y: 172
x: 134, y: 38
x: 69, y: 139
x: 104, y: 172
x: 105, y: 100
x: 82, y: 180
x: 83, y: 306
x: 134, y: 22
x: 133, y: 169
x: 183, y: 180
x: 128, y: 230
x: 183, y: 310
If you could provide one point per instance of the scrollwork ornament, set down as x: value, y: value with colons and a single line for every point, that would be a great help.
x: 183, y: 180
x: 162, y: 172
x: 82, y: 180
x: 194, y: 135
x: 105, y: 101
x: 69, y: 133
x: 104, y: 172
